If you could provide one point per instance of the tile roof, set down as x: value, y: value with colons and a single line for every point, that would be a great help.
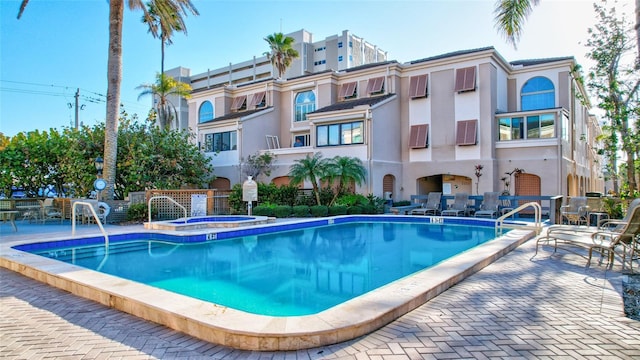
x: 451, y: 54
x: 345, y: 105
x: 529, y: 62
x: 238, y: 114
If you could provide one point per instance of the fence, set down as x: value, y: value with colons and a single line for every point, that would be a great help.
x: 217, y: 202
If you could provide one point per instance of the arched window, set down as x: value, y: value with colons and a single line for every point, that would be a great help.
x: 538, y: 93
x: 305, y: 103
x: 206, y: 112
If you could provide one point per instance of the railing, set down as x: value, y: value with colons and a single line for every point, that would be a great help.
x: 168, y: 198
x: 95, y: 216
x: 537, y: 224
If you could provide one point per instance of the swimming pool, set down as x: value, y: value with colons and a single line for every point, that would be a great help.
x: 239, y: 329
x: 290, y: 273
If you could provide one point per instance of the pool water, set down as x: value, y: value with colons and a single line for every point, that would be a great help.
x: 287, y: 273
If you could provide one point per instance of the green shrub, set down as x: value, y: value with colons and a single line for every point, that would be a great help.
x: 402, y: 203
x: 319, y: 210
x: 352, y: 200
x: 140, y: 213
x: 356, y: 209
x: 282, y: 211
x: 337, y: 210
x: 371, y: 209
x: 262, y: 210
x: 301, y: 211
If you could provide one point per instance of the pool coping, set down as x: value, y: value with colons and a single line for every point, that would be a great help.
x: 225, y: 326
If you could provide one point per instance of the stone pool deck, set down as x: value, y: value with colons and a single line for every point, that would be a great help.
x: 546, y: 307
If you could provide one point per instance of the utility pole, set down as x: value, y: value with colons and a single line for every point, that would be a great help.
x: 77, y: 99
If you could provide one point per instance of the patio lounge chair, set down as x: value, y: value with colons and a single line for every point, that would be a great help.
x: 606, y: 239
x: 431, y: 207
x: 49, y: 211
x: 459, y: 206
x: 490, y: 205
x: 575, y: 211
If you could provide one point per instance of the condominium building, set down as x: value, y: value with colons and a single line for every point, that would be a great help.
x: 418, y: 127
x: 337, y: 52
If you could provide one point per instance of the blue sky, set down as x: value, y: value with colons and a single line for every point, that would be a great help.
x: 61, y: 45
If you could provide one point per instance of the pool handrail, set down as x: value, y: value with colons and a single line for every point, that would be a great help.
x: 170, y: 199
x: 95, y: 216
x: 537, y: 224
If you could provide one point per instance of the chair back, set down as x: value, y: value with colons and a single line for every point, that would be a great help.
x: 460, y: 201
x: 490, y: 201
x: 577, y: 204
x: 632, y: 227
x: 434, y: 200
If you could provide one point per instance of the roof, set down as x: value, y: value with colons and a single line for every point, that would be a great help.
x: 530, y: 62
x: 235, y: 115
x: 346, y: 105
x: 451, y: 54
x: 366, y: 66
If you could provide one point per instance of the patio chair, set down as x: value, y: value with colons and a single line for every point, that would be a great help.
x: 459, y: 205
x: 431, y: 207
x: 606, y: 239
x: 49, y: 211
x: 102, y: 210
x: 490, y: 205
x: 576, y: 210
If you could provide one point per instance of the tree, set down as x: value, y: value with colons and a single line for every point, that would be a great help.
x: 257, y: 164
x: 114, y: 71
x: 166, y: 24
x: 281, y: 52
x: 165, y: 87
x: 510, y: 16
x: 346, y: 170
x: 615, y: 84
x: 312, y: 168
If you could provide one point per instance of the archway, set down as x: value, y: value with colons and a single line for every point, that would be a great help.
x: 220, y: 184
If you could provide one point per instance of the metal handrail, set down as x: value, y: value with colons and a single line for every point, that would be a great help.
x: 170, y: 199
x: 95, y: 216
x: 537, y: 225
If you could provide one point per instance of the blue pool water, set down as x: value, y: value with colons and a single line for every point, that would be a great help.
x: 285, y: 273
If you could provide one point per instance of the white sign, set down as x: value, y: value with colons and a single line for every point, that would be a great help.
x: 198, y: 205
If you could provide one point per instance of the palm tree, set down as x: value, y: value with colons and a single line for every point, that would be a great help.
x: 165, y: 87
x: 312, y: 168
x: 281, y: 52
x: 167, y: 25
x: 510, y: 18
x: 114, y: 71
x: 346, y: 170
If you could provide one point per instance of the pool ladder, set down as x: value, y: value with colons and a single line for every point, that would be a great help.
x: 168, y: 198
x: 537, y: 224
x: 95, y: 216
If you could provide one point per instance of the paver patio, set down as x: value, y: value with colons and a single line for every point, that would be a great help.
x: 546, y: 307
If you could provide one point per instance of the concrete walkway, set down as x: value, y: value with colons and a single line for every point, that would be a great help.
x: 546, y: 307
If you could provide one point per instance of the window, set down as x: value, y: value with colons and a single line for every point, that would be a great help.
x: 350, y: 44
x: 340, y: 58
x: 239, y: 103
x: 375, y: 85
x: 224, y: 141
x: 418, y: 86
x: 206, y: 112
x: 340, y: 44
x: 340, y: 134
x: 258, y: 100
x: 305, y: 103
x: 466, y: 132
x: 540, y: 126
x: 302, y: 140
x: 537, y: 93
x: 348, y: 90
x: 466, y: 79
x: 419, y: 136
